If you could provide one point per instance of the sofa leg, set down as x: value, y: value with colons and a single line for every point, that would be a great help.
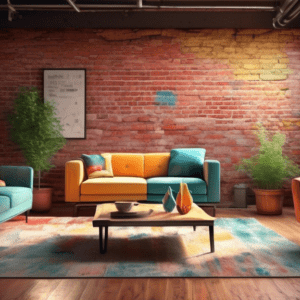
x: 27, y: 214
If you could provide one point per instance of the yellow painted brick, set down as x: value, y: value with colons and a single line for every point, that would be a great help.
x: 248, y: 61
x: 272, y: 93
x: 254, y: 72
x: 251, y: 66
x: 273, y: 77
x: 241, y: 72
x: 221, y: 55
x: 247, y: 77
x: 242, y: 55
x: 205, y: 49
x: 267, y: 66
x: 229, y: 49
x: 280, y: 66
x: 287, y: 71
x: 208, y: 43
x: 268, y: 61
x: 194, y: 49
x: 271, y: 56
x: 260, y: 71
x: 251, y: 50
x: 191, y: 42
x: 283, y: 60
x: 286, y: 123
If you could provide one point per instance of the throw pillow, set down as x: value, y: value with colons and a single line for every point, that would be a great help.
x: 2, y: 183
x: 187, y: 162
x: 97, y: 165
x: 168, y: 201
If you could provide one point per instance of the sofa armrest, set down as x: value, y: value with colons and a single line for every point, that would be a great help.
x: 74, y: 176
x: 212, y: 174
x: 17, y: 176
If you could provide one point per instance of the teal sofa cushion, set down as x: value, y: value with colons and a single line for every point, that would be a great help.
x: 4, y: 204
x: 16, y: 194
x: 186, y: 162
x: 160, y: 185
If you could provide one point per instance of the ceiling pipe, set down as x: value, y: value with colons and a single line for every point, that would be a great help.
x: 11, y: 11
x: 99, y: 7
x: 73, y: 5
x: 287, y: 13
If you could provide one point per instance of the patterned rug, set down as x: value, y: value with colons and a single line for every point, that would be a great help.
x: 69, y: 247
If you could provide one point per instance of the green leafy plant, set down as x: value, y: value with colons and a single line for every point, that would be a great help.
x: 35, y: 128
x: 269, y: 169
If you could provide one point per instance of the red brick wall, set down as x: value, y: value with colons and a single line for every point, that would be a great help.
x: 224, y: 82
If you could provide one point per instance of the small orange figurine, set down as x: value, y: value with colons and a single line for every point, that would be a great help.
x: 184, y: 199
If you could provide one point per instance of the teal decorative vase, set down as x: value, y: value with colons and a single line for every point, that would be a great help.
x: 168, y: 201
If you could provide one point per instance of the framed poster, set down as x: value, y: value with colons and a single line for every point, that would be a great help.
x: 66, y: 88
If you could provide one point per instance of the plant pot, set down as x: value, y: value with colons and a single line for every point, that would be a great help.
x: 42, y: 199
x: 269, y: 202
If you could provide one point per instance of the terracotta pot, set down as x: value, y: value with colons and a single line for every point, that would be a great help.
x: 42, y: 199
x: 269, y: 202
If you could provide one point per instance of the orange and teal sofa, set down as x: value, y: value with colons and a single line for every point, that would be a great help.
x: 145, y: 177
x: 16, y: 191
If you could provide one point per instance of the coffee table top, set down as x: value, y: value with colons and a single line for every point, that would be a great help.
x: 196, y: 216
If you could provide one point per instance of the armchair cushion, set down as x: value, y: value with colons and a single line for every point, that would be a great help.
x: 187, y: 162
x: 4, y: 204
x: 16, y: 194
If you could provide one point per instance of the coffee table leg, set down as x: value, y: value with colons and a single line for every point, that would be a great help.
x: 194, y: 228
x: 103, y: 248
x: 211, y: 238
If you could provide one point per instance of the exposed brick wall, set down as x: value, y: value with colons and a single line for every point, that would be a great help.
x: 221, y: 83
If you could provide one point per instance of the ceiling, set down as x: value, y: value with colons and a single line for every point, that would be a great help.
x: 150, y: 14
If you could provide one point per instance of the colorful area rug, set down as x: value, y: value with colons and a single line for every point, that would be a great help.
x: 69, y: 247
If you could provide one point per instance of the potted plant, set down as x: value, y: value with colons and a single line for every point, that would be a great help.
x: 269, y: 169
x: 37, y: 131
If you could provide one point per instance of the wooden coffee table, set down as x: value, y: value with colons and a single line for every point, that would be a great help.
x: 195, y: 217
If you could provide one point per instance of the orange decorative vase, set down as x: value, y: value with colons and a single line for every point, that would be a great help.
x: 184, y: 199
x: 269, y: 202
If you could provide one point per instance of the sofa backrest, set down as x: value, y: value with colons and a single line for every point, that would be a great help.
x: 128, y: 164
x: 140, y: 164
x: 156, y: 164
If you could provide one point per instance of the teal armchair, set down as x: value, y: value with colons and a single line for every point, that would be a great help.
x: 16, y: 197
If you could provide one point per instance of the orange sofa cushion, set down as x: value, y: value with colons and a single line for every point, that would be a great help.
x: 156, y: 164
x: 131, y: 164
